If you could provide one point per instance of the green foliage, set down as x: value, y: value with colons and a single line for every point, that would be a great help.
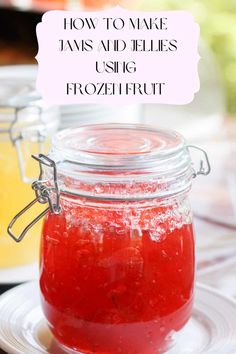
x: 217, y: 19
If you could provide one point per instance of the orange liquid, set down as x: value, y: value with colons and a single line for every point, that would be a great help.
x: 14, y: 196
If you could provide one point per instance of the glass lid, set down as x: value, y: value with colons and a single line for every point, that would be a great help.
x: 120, y: 160
x: 119, y: 145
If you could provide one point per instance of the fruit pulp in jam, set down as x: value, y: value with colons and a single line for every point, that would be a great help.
x: 116, y: 280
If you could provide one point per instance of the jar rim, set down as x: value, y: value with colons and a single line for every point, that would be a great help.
x: 21, y: 107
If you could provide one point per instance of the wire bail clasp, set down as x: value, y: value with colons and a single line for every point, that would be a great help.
x: 205, y: 167
x: 44, y: 194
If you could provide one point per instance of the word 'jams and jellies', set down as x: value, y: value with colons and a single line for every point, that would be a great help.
x: 118, y: 45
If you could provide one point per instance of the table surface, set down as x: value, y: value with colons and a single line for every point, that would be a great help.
x: 215, y: 216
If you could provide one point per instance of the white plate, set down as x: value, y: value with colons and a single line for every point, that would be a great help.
x: 19, y: 274
x: 23, y: 328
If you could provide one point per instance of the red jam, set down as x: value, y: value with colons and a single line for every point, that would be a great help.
x: 116, y: 279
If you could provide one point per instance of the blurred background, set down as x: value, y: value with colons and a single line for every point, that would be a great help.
x: 209, y: 121
x: 216, y: 17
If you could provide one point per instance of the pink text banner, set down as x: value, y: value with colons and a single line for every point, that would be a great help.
x: 118, y: 56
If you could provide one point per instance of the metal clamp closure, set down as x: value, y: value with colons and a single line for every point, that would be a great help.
x: 44, y: 194
x: 205, y: 167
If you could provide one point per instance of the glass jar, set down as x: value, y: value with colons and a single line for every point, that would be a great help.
x: 26, y: 125
x: 117, y: 250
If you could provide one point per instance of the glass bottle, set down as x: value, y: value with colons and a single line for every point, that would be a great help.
x: 26, y: 125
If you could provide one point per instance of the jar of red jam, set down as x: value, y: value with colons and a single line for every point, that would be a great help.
x: 117, y: 249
